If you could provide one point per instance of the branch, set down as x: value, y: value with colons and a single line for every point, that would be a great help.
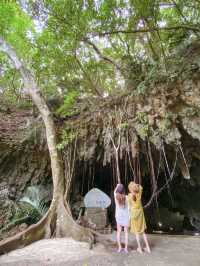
x: 105, y: 58
x: 87, y: 75
x: 18, y: 65
x: 144, y: 30
x: 5, y: 48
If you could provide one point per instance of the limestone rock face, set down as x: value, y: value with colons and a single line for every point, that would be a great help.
x: 192, y: 126
x: 24, y: 158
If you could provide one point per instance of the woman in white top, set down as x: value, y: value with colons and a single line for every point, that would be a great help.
x: 121, y: 215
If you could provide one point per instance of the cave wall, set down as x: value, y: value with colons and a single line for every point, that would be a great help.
x: 24, y: 158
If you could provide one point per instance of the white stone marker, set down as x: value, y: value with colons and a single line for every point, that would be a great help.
x: 96, y: 198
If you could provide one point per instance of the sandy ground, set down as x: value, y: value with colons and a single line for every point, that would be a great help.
x: 166, y: 251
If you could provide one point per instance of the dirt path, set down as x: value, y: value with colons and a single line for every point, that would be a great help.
x: 166, y: 251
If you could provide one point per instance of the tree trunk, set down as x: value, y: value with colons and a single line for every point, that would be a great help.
x: 58, y: 220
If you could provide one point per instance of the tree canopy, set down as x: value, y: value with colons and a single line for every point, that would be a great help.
x: 95, y: 48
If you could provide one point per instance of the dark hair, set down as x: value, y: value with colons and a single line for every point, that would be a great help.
x: 120, y: 195
x: 120, y: 189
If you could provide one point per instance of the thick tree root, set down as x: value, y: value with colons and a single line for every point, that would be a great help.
x: 57, y: 222
x: 67, y: 227
x: 33, y: 233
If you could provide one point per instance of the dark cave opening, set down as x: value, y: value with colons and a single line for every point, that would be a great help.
x: 173, y: 211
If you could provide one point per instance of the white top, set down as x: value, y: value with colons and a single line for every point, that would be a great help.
x: 121, y: 212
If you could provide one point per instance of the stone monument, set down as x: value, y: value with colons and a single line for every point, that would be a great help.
x: 96, y: 203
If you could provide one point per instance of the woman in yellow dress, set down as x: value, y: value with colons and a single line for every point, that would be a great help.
x: 137, y: 219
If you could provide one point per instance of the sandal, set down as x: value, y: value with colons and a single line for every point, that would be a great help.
x: 125, y: 250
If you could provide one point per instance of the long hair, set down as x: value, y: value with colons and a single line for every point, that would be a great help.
x: 120, y: 195
x: 134, y: 189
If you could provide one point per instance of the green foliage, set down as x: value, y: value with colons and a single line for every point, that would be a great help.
x: 52, y: 37
x: 190, y: 111
x: 67, y: 136
x: 30, y: 208
x: 164, y: 125
x: 15, y: 26
x: 27, y: 211
x: 34, y: 202
x: 142, y: 131
x: 142, y: 125
x: 123, y: 125
x: 142, y: 117
x: 141, y: 88
x: 67, y: 107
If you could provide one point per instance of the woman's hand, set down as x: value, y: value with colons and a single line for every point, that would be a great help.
x: 115, y: 191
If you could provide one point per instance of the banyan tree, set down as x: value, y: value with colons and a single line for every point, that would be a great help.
x: 134, y: 110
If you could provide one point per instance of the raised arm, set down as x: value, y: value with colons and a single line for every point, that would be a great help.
x: 115, y: 191
x: 140, y: 192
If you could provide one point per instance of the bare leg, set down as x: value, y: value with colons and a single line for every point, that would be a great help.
x: 146, y: 243
x: 119, y: 229
x: 139, y: 249
x: 126, y: 238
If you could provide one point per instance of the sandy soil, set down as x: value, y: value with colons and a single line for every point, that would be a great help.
x: 166, y: 251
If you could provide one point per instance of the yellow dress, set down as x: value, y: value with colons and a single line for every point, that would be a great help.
x: 137, y: 219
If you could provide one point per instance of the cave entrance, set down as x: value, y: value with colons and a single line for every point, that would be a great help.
x: 167, y: 213
x: 95, y: 175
